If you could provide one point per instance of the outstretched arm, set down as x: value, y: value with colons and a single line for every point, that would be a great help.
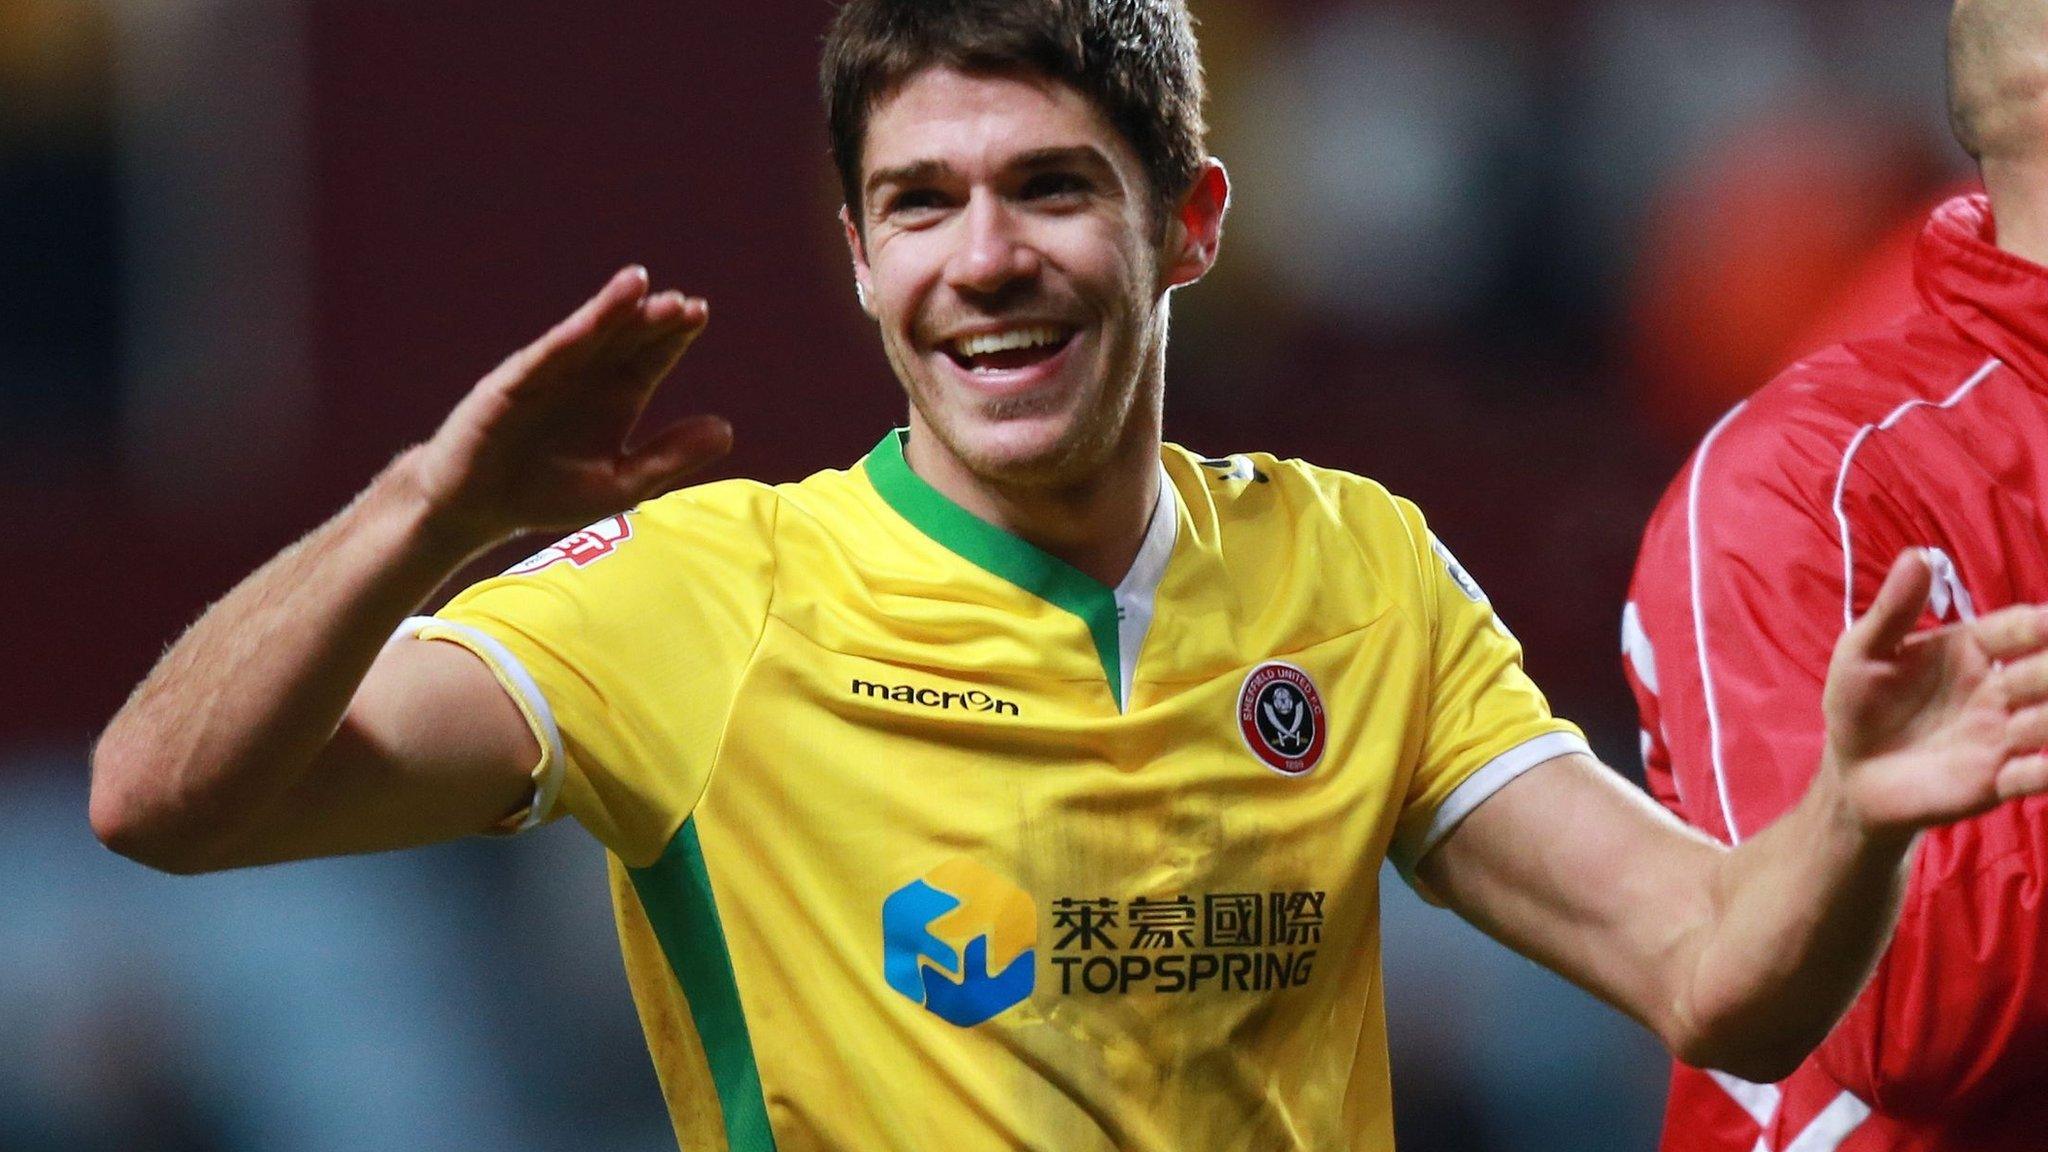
x: 1743, y: 959
x: 281, y: 725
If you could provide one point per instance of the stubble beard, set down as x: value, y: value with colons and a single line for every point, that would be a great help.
x: 1102, y: 420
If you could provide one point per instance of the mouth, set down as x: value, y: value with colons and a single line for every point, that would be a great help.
x: 1008, y: 350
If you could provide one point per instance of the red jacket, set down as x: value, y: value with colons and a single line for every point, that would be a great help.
x: 1932, y: 432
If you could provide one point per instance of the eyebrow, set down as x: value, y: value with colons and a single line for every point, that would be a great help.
x: 917, y: 172
x: 925, y: 171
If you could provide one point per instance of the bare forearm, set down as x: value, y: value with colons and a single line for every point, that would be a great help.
x: 1800, y: 914
x: 237, y: 709
x: 272, y: 730
x: 1743, y: 960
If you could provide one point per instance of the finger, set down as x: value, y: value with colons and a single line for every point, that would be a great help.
x: 603, y: 314
x: 1897, y: 608
x: 613, y: 305
x: 669, y: 307
x: 2011, y: 632
x: 662, y: 345
x: 2023, y: 776
x: 2028, y: 728
x: 633, y: 355
x: 661, y: 461
x: 2025, y: 681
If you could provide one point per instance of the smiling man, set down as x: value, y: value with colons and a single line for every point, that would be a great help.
x: 1025, y: 785
x: 1012, y: 246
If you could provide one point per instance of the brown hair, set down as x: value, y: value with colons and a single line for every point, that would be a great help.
x: 1135, y: 59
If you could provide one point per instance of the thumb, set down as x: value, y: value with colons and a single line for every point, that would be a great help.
x: 1896, y: 609
x: 661, y: 461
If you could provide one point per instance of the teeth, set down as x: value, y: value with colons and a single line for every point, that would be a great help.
x: 1006, y: 341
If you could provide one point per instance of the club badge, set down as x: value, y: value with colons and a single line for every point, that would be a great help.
x: 1280, y: 714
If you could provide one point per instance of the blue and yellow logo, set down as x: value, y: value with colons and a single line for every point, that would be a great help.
x: 960, y: 941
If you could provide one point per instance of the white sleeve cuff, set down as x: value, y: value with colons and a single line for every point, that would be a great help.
x: 525, y: 692
x: 1475, y: 790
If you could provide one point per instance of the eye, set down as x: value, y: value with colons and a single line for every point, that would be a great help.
x: 1057, y: 186
x: 911, y: 204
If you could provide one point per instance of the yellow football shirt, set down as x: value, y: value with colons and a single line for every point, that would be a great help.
x: 922, y: 838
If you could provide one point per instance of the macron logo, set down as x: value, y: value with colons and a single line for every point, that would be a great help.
x: 974, y: 701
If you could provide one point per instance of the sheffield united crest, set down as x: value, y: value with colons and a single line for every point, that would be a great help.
x: 1280, y: 714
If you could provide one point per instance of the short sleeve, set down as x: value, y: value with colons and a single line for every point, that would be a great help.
x: 624, y: 645
x: 1486, y: 723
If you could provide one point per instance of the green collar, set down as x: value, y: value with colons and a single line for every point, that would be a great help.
x: 998, y: 552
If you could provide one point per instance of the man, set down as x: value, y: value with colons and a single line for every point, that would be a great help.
x: 1025, y: 785
x: 1933, y: 434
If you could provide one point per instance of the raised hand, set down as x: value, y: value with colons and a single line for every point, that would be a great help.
x: 541, y: 442
x: 1928, y: 727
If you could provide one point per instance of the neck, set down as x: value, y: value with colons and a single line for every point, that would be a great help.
x: 1096, y: 523
x: 2019, y: 199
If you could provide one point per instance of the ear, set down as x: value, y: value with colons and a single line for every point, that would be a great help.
x: 1195, y: 232
x: 863, y: 279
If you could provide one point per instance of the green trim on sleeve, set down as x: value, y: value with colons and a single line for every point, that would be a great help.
x: 676, y: 893
x: 998, y: 552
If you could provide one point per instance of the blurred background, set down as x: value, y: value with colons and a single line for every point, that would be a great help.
x: 1509, y: 258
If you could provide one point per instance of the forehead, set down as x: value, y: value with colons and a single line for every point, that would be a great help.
x: 971, y: 120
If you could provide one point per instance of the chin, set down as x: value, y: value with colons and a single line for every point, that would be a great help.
x: 1037, y: 451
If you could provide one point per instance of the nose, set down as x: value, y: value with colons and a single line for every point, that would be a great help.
x: 993, y: 253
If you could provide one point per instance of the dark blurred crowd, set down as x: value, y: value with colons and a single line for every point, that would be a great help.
x: 1509, y: 258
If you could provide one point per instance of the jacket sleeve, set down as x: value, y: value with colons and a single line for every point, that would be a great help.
x: 1764, y: 548
x: 1734, y: 610
x: 1954, y: 1025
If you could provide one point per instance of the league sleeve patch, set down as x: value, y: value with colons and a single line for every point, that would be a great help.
x: 1459, y: 576
x: 581, y: 549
